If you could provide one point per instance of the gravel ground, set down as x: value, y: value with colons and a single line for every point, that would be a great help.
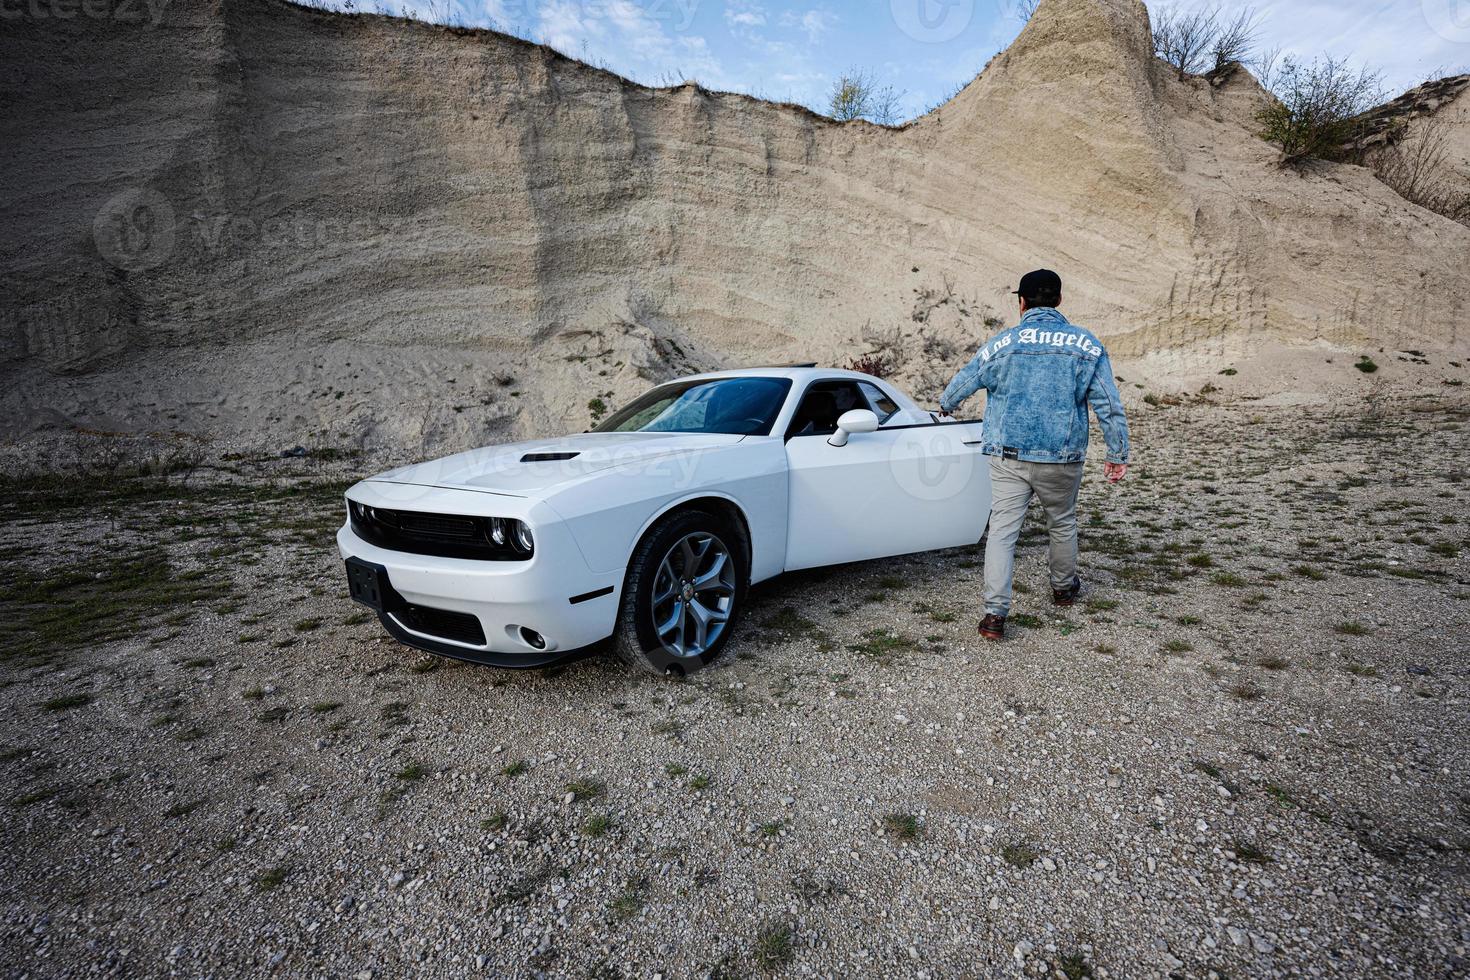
x: 1245, y: 755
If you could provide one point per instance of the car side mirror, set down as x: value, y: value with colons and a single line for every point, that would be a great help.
x: 857, y: 421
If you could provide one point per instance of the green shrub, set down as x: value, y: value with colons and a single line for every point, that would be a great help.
x: 1314, y: 113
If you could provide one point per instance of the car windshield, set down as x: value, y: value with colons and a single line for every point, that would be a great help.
x: 728, y: 406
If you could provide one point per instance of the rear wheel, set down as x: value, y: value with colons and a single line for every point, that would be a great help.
x: 686, y: 583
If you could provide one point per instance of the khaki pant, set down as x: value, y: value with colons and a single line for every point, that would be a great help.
x: 1012, y: 485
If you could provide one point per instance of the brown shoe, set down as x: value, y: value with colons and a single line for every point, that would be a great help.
x: 1067, y: 597
x: 993, y: 628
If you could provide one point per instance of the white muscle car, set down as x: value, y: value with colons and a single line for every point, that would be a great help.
x: 650, y: 529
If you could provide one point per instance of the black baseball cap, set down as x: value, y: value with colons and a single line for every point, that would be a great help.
x: 1041, y: 284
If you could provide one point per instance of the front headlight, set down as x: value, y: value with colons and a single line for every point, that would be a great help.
x: 514, y: 535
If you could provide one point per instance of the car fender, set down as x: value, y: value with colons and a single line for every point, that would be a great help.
x: 607, y: 515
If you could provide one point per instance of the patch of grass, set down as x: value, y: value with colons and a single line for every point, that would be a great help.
x: 1189, y: 621
x: 1282, y: 796
x: 1246, y: 851
x: 666, y: 727
x: 496, y: 821
x: 674, y: 769
x: 411, y: 772
x: 1100, y: 605
x: 66, y: 702
x: 108, y: 596
x: 1273, y: 662
x: 1201, y: 560
x: 1366, y: 364
x: 1178, y: 646
x: 325, y: 707
x: 775, y: 946
x: 771, y: 828
x: 1246, y: 691
x: 1229, y: 579
x: 1019, y: 855
x: 278, y: 713
x: 253, y: 693
x: 306, y: 625
x: 596, y: 825
x: 788, y: 620
x: 630, y: 901
x: 272, y: 879
x: 1074, y: 966
x: 182, y: 809
x: 356, y: 619
x: 1352, y: 629
x: 1027, y: 620
x: 425, y: 666
x: 1360, y: 670
x: 904, y: 826
x: 881, y: 644
x: 513, y: 769
x: 1307, y: 571
x: 197, y: 663
x: 699, y: 781
x: 585, y: 789
x: 36, y: 796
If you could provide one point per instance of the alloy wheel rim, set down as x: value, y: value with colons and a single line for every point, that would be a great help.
x: 693, y: 595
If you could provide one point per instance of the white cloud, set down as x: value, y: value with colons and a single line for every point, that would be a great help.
x: 744, y: 15
x: 814, y: 23
x: 629, y: 37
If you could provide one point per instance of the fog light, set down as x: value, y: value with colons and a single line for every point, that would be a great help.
x: 533, y: 639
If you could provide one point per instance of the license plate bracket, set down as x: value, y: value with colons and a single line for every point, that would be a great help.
x: 367, y: 583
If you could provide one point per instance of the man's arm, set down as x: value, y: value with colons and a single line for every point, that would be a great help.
x: 970, y: 379
x: 1107, y: 403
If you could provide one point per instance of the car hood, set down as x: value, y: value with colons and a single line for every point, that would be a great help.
x: 526, y: 469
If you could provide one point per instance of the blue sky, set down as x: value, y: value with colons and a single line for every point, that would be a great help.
x: 793, y: 49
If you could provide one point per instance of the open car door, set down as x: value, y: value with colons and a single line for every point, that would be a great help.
x: 895, y: 491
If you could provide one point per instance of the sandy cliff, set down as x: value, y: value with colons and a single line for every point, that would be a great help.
x: 256, y: 221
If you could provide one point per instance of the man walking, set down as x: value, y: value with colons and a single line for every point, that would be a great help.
x: 1041, y: 375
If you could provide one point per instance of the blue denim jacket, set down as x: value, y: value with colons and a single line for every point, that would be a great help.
x: 1041, y: 375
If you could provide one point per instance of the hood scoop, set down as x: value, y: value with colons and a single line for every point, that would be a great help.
x: 548, y: 457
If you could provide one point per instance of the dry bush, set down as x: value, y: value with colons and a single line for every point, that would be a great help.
x: 1417, y: 166
x: 1316, y: 108
x: 875, y: 364
x: 856, y: 94
x: 1203, y: 40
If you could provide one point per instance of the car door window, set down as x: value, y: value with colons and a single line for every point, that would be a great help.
x: 883, y: 406
x: 823, y: 404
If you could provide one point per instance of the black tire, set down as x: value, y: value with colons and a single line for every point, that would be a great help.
x: 635, y: 640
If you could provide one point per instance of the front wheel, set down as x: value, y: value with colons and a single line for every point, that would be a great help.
x: 685, y: 586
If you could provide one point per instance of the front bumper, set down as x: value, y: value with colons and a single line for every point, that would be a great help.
x: 554, y: 594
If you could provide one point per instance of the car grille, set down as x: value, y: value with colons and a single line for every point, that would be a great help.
x: 459, y: 627
x: 418, y: 533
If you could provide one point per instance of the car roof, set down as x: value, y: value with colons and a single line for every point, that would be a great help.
x: 797, y: 374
